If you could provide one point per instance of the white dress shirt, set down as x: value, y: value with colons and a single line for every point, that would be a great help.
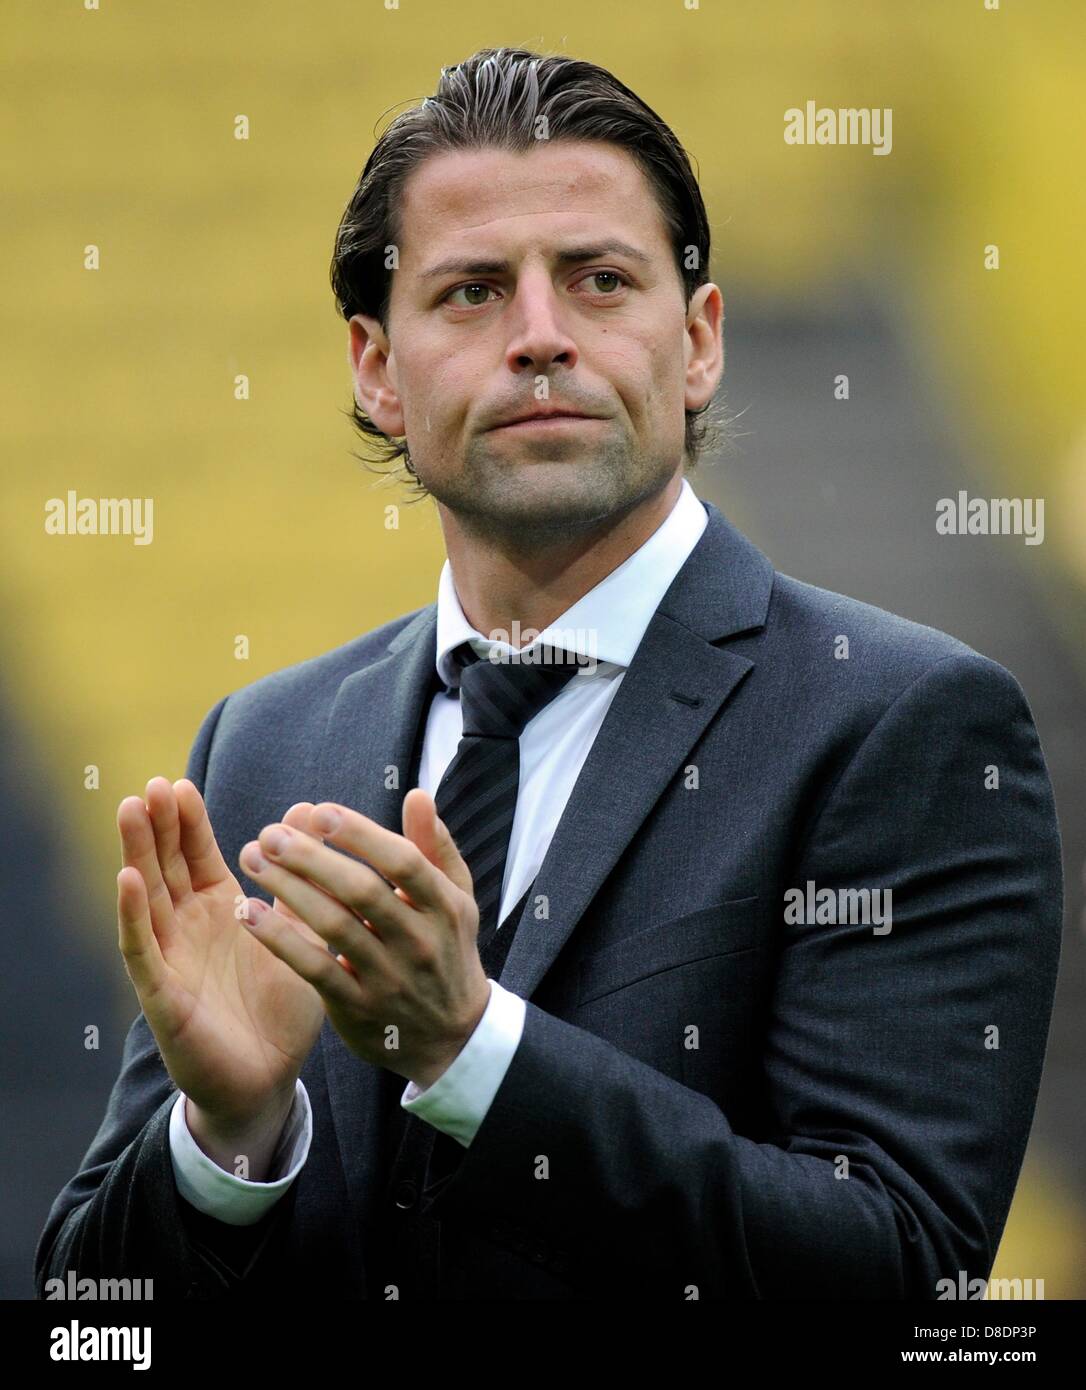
x: 607, y: 623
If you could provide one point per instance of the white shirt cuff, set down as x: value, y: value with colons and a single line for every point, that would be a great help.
x: 237, y: 1201
x: 457, y: 1102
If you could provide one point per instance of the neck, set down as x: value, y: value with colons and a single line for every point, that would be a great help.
x: 500, y: 584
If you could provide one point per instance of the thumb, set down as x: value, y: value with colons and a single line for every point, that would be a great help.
x: 425, y: 828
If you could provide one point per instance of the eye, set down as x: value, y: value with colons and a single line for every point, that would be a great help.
x: 467, y: 289
x: 607, y: 275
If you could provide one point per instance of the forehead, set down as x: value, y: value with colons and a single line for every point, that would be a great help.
x: 468, y: 199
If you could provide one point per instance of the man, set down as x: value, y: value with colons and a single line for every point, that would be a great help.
x: 701, y: 944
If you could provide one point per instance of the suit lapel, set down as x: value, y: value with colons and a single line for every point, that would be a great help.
x: 673, y: 688
x: 373, y: 724
x: 675, y: 685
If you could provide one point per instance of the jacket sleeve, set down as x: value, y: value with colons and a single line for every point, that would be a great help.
x: 122, y: 1216
x: 900, y: 1068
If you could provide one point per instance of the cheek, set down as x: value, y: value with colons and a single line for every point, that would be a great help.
x: 669, y: 376
x: 435, y: 392
x: 446, y: 374
x: 625, y: 364
x: 414, y: 378
x: 652, y: 388
x: 645, y: 367
x: 663, y: 403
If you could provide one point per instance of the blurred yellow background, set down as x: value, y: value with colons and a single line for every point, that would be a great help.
x: 214, y: 256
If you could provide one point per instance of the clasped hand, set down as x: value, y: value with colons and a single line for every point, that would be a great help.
x: 405, y: 989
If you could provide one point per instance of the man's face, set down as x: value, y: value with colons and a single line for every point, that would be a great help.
x: 537, y: 281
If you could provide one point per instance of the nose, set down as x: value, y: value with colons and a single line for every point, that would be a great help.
x: 538, y: 336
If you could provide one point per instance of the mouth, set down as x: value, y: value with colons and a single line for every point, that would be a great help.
x: 548, y: 423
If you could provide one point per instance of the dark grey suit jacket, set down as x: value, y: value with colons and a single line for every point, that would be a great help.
x: 707, y: 1097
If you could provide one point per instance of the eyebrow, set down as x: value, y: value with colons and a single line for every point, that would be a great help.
x: 572, y: 255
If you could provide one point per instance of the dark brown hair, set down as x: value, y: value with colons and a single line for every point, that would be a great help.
x: 509, y: 98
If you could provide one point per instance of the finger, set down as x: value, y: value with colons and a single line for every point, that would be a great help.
x: 310, y: 961
x: 398, y: 859
x: 166, y: 820
x: 329, y: 917
x: 206, y: 865
x: 139, y: 851
x: 249, y: 909
x: 135, y: 936
x: 297, y: 817
x: 424, y: 827
x: 356, y: 886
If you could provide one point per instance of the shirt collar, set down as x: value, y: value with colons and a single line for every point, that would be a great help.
x: 609, y: 621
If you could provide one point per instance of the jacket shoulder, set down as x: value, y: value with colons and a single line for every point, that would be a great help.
x: 317, y: 678
x: 847, y: 662
x: 883, y: 644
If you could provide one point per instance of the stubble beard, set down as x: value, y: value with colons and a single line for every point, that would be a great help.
x: 537, y: 500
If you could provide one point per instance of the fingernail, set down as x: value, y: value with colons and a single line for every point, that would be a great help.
x: 276, y: 841
x: 327, y: 820
x: 254, y: 910
x: 251, y: 858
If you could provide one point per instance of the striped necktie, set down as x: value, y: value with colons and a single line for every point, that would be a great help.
x: 477, y: 796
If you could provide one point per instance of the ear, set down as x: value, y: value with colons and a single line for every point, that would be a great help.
x: 703, y: 345
x: 369, y: 353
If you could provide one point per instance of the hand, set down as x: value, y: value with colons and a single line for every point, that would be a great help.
x: 234, y: 1024
x: 406, y: 989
